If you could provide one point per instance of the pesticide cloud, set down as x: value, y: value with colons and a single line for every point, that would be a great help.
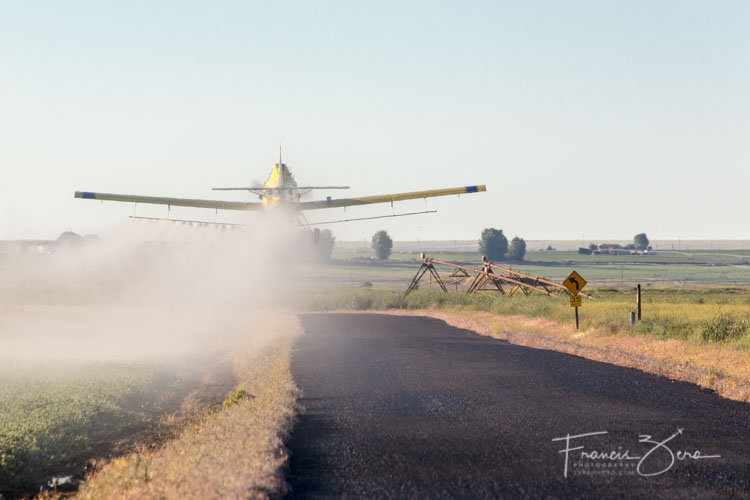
x: 149, y: 326
x: 147, y: 290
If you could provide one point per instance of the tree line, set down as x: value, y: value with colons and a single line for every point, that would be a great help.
x: 492, y: 243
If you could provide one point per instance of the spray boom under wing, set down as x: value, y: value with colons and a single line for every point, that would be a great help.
x: 280, y: 188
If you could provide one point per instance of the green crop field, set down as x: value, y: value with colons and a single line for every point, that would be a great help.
x: 661, y: 257
x: 49, y: 417
x: 733, y: 257
x: 702, y: 269
x: 55, y: 416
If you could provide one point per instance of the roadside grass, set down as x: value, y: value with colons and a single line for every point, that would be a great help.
x: 234, y: 451
x: 699, y: 316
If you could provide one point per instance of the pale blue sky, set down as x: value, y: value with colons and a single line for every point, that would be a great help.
x: 593, y: 118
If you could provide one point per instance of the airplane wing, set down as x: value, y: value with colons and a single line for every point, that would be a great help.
x: 306, y: 205
x: 174, y: 202
x: 388, y: 198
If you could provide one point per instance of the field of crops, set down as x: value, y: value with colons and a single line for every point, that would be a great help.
x: 537, y: 256
x: 664, y: 269
x: 51, y: 417
x: 55, y: 417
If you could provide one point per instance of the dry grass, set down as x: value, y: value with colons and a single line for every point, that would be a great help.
x: 713, y: 366
x: 234, y: 452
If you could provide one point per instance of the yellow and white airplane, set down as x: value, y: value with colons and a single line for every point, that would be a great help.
x: 281, y: 192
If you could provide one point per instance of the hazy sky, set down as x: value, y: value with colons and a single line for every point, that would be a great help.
x: 597, y: 118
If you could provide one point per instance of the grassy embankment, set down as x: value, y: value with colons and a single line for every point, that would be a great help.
x: 701, y: 336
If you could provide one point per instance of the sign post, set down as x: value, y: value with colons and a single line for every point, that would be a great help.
x: 638, y: 300
x: 575, y: 283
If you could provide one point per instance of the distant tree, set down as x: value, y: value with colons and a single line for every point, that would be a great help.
x: 327, y: 241
x: 382, y: 244
x: 593, y: 246
x: 584, y: 251
x: 517, y: 249
x: 641, y: 241
x: 550, y: 248
x: 69, y: 239
x: 493, y: 244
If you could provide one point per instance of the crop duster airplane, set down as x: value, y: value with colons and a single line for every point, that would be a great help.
x: 281, y: 192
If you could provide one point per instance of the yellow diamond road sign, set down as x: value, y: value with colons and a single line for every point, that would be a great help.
x: 574, y: 283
